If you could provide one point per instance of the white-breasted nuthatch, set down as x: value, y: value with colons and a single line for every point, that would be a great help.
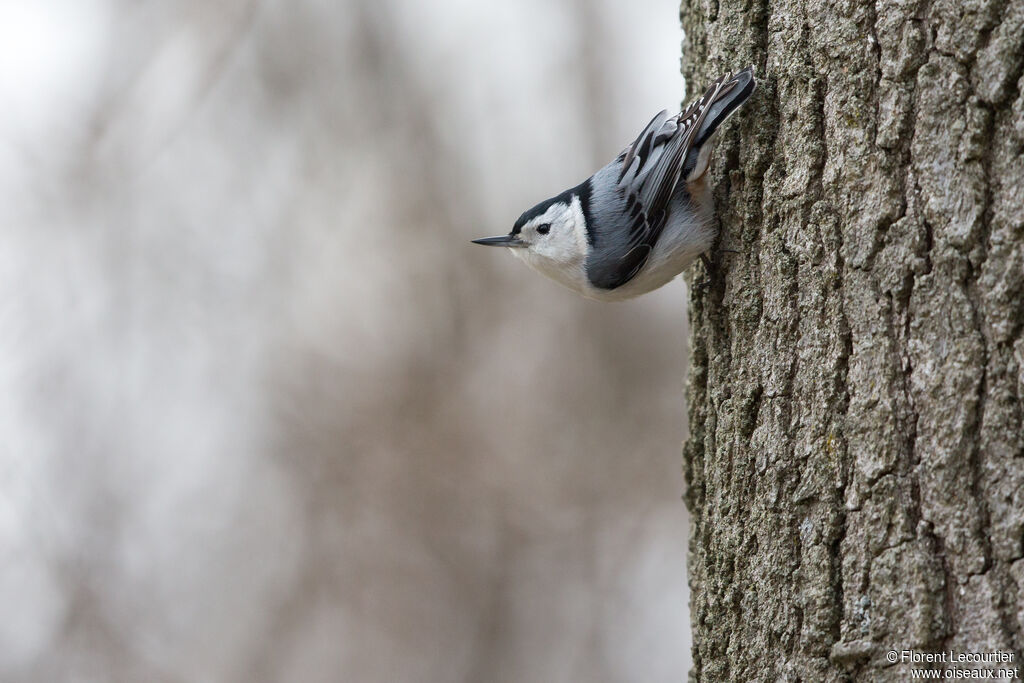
x: 632, y: 226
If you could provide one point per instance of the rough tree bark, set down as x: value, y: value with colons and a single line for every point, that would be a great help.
x: 855, y: 463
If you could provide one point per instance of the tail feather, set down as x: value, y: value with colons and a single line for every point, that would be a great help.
x: 733, y: 94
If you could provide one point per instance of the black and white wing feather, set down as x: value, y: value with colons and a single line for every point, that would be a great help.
x: 651, y: 170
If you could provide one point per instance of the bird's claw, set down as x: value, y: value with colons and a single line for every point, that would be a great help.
x: 706, y: 283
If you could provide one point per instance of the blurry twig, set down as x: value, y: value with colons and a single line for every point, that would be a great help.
x: 212, y: 73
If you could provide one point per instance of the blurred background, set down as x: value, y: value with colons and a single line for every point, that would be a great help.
x: 266, y: 414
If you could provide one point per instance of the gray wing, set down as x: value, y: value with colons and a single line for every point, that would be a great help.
x: 650, y: 171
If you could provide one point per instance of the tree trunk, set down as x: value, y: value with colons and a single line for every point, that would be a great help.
x: 855, y: 461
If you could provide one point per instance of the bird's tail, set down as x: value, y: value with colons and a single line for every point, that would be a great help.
x: 734, y: 92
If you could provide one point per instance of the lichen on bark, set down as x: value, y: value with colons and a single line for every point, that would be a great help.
x: 855, y: 463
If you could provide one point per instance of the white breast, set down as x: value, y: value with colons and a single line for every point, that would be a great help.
x: 689, y: 232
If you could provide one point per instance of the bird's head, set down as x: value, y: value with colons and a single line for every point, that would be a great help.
x: 551, y: 237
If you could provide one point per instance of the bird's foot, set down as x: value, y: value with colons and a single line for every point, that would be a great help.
x: 709, y: 268
x: 706, y: 283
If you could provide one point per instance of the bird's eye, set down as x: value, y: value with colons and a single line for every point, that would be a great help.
x: 544, y: 228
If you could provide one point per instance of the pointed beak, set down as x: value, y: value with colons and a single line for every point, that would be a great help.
x: 501, y: 241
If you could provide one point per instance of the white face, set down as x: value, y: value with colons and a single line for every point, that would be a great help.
x: 556, y: 240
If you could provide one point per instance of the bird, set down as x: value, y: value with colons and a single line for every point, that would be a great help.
x: 642, y: 219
